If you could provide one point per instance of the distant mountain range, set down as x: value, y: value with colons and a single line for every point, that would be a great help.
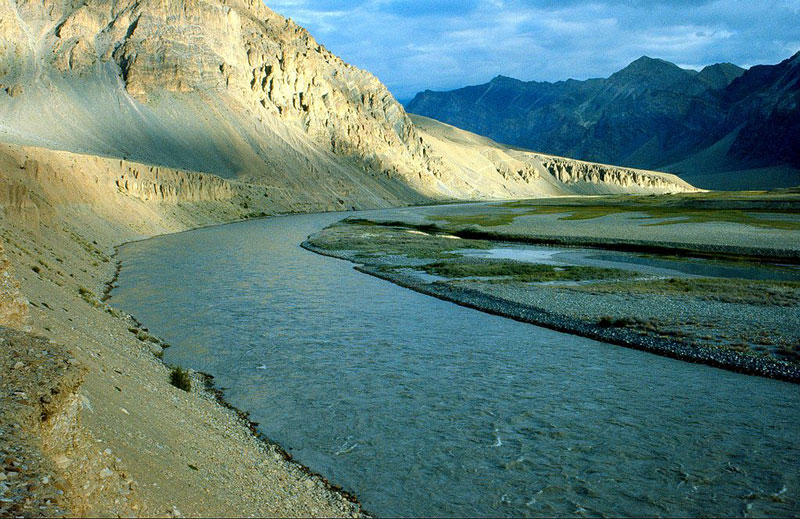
x: 722, y: 127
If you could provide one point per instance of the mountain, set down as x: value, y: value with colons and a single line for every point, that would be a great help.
x: 719, y: 75
x: 229, y: 88
x: 652, y: 114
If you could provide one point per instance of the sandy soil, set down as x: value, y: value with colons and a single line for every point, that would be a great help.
x: 134, y: 444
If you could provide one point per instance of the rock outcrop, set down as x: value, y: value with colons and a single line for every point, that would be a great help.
x: 237, y: 54
x: 13, y: 305
x: 573, y: 171
x: 226, y: 87
x: 172, y: 186
x: 490, y: 167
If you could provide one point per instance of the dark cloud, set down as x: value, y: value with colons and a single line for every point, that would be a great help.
x: 441, y: 44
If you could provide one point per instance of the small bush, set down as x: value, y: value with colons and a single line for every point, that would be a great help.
x: 609, y: 322
x: 180, y: 379
x: 605, y: 321
x: 89, y: 296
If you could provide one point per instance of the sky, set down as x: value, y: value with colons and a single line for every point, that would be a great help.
x: 414, y: 45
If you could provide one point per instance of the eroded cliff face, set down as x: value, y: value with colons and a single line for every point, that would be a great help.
x: 170, y: 185
x: 255, y: 60
x: 225, y: 87
x: 574, y: 171
x: 490, y: 167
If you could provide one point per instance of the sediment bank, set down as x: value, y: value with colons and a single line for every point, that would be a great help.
x: 624, y: 320
x: 134, y: 444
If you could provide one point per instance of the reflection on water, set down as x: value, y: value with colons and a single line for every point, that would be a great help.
x: 645, y: 263
x: 423, y: 407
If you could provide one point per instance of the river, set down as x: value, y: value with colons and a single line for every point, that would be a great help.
x: 422, y: 407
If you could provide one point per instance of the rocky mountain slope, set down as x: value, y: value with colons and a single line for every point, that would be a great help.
x: 13, y: 305
x: 226, y: 87
x: 652, y: 114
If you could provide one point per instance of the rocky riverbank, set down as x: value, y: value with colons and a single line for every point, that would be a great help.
x: 91, y: 425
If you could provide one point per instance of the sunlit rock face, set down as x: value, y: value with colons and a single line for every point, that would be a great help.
x: 231, y: 88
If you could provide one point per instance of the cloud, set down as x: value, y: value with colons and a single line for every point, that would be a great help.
x: 442, y: 44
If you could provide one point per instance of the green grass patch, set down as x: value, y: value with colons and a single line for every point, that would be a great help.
x: 494, y: 219
x: 506, y: 270
x: 742, y: 208
x: 371, y: 239
x: 742, y: 291
x: 730, y: 216
x: 675, y: 215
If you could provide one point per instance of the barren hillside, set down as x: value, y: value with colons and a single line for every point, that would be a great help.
x: 223, y: 87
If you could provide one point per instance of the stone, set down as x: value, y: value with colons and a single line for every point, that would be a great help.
x: 106, y: 473
x: 155, y: 349
x: 62, y: 461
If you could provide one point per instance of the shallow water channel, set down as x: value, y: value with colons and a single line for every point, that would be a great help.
x: 646, y: 264
x: 423, y: 407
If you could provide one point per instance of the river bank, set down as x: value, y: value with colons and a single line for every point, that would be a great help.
x: 428, y: 408
x: 117, y: 439
x: 136, y: 445
x: 745, y: 326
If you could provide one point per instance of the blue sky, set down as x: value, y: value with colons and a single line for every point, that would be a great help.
x: 443, y: 44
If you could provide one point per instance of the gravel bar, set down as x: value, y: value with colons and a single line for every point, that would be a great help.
x: 730, y: 360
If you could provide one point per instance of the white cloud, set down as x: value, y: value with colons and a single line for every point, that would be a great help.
x: 441, y: 44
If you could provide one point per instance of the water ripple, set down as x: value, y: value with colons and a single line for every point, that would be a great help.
x: 427, y: 408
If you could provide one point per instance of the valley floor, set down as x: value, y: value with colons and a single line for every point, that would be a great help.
x: 90, y: 422
x: 706, y: 278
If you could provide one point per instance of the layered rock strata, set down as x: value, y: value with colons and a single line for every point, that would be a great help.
x: 224, y: 87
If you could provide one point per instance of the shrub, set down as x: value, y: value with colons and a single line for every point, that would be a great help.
x: 605, y: 321
x: 609, y: 322
x: 89, y: 296
x: 180, y: 379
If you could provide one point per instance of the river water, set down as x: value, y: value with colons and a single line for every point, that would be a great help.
x: 423, y: 407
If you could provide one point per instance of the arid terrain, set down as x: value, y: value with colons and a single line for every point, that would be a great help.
x: 116, y: 438
x: 126, y: 120
x: 140, y: 143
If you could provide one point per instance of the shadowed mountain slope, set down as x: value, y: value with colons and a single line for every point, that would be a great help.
x: 651, y: 114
